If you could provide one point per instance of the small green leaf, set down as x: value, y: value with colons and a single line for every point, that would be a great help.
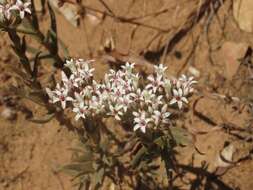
x: 80, y: 168
x: 104, y: 144
x: 98, y: 177
x: 139, y: 155
x: 65, y: 49
x: 35, y: 66
x: 52, y: 33
x: 162, y: 141
x: 85, y: 157
x: 35, y: 22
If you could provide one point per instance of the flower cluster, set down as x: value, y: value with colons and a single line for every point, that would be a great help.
x: 122, y: 94
x: 19, y: 7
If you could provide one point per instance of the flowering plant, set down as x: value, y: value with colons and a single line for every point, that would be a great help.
x: 122, y: 94
x: 147, y: 105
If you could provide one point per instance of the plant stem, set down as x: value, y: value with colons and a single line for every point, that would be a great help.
x: 166, y: 156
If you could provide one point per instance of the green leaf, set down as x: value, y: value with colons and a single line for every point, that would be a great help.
x: 162, y: 141
x: 85, y: 157
x: 99, y: 176
x: 35, y: 66
x: 34, y: 16
x: 65, y: 49
x: 52, y: 33
x: 104, y: 144
x: 139, y: 155
x: 81, y: 168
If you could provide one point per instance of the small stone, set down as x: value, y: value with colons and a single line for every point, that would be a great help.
x: 68, y: 10
x: 193, y: 71
x: 243, y: 14
x: 9, y: 114
x: 225, y: 157
x: 231, y: 53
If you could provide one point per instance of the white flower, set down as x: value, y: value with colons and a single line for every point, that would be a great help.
x: 71, y: 65
x: 160, y: 69
x: 97, y: 104
x: 187, y: 90
x: 128, y: 68
x: 158, y: 100
x: 141, y: 121
x: 161, y: 116
x: 146, y: 96
x: 186, y: 84
x: 116, y: 111
x: 156, y: 82
x: 50, y: 94
x: 85, y: 71
x: 22, y: 8
x: 126, y: 100
x: 60, y: 95
x: 187, y: 81
x: 167, y: 86
x: 78, y: 98
x: 80, y: 110
x: 5, y: 11
x: 87, y: 91
x: 135, y: 81
x: 68, y: 83
x: 178, y: 98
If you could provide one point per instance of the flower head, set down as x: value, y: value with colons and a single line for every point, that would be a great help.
x: 116, y: 111
x: 80, y: 110
x: 60, y: 94
x: 141, y: 121
x: 161, y: 116
x: 160, y: 69
x: 22, y: 8
x: 178, y: 97
x: 156, y: 82
x: 5, y: 10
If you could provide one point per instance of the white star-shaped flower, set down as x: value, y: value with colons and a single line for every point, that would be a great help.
x: 160, y: 69
x: 116, y: 111
x: 86, y: 71
x: 128, y: 68
x: 5, y: 11
x: 178, y: 98
x: 22, y: 8
x: 161, y: 116
x: 156, y: 82
x: 61, y: 95
x: 80, y: 110
x: 141, y: 121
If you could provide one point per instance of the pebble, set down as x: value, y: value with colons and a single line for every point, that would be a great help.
x: 231, y: 53
x: 9, y: 114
